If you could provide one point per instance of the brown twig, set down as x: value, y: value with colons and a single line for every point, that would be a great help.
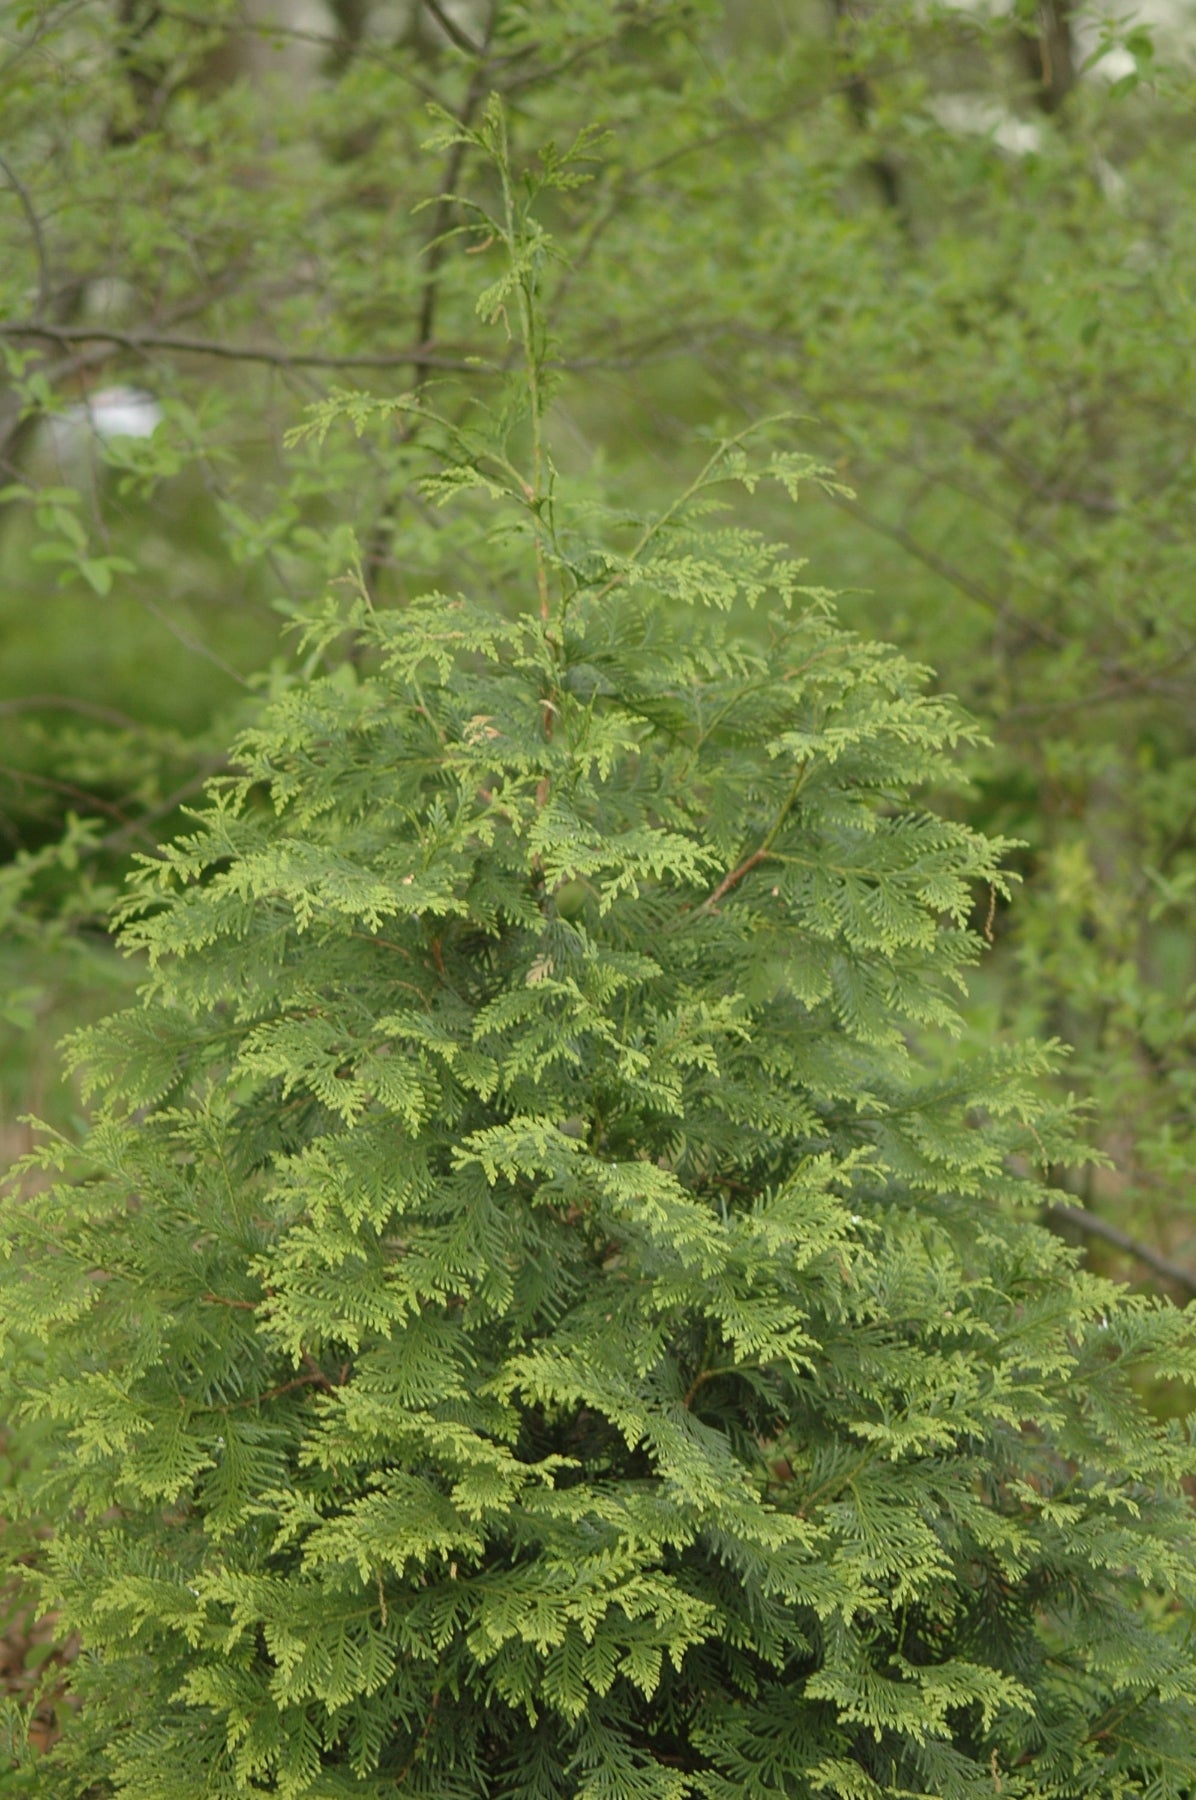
x: 317, y: 1373
x: 763, y: 851
x: 284, y: 1387
x: 736, y: 875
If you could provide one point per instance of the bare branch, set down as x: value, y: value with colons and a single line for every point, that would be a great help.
x: 19, y: 777
x: 429, y: 299
x: 940, y: 565
x: 66, y: 703
x: 274, y: 31
x: 452, y: 30
x: 116, y: 840
x: 35, y: 230
x: 1092, y: 1226
x: 140, y: 342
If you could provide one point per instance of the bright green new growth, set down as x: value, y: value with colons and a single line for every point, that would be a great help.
x: 522, y: 1325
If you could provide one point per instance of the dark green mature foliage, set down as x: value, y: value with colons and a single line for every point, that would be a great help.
x: 521, y: 1324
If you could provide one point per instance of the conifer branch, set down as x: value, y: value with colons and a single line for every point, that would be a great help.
x: 653, y: 530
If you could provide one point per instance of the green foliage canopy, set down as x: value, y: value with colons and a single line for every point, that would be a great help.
x: 523, y: 1321
x: 986, y: 320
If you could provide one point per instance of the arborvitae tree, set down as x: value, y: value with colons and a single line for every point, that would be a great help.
x: 521, y: 1324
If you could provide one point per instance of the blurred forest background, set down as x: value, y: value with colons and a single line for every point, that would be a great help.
x: 958, y: 244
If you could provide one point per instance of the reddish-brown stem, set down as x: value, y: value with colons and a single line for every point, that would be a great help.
x: 736, y: 875
x: 317, y: 1373
x: 284, y: 1387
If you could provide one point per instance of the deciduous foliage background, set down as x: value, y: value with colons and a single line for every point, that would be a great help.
x: 954, y: 242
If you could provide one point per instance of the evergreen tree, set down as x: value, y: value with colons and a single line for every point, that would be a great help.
x: 521, y: 1323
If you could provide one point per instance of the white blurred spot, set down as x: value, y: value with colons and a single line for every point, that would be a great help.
x: 106, y: 414
x: 1115, y: 64
x: 116, y: 412
x: 979, y: 117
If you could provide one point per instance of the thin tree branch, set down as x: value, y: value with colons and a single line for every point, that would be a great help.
x: 1093, y: 1226
x: 140, y: 341
x: 705, y: 1375
x: 1048, y: 54
x: 115, y: 840
x: 284, y: 1387
x: 736, y: 875
x: 939, y: 564
x: 44, y: 25
x: 107, y: 715
x: 764, y: 850
x: 451, y: 29
x: 1125, y: 687
x: 420, y: 363
x: 68, y: 788
x: 35, y: 230
x: 130, y: 829
x: 273, y: 30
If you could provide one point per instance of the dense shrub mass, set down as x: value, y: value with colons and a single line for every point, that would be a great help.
x: 524, y: 1323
